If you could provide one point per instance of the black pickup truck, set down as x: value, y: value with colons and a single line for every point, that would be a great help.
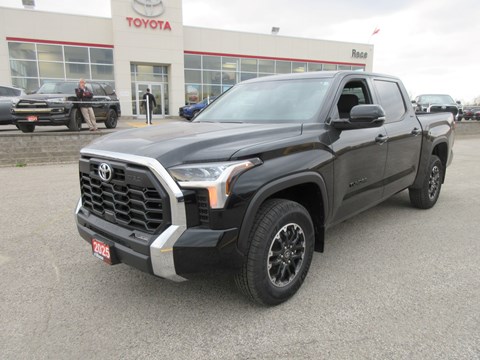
x: 254, y: 182
x: 56, y: 104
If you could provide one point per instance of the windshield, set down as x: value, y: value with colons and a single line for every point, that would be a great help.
x: 57, y: 88
x: 291, y: 100
x: 435, y: 99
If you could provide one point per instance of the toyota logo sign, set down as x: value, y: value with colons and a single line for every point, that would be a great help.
x: 148, y: 8
x: 105, y: 172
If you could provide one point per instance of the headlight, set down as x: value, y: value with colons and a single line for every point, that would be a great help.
x: 217, y: 178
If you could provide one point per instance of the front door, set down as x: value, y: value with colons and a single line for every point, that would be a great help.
x: 157, y: 90
x: 360, y: 156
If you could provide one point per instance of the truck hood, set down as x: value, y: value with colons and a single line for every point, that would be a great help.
x: 176, y: 143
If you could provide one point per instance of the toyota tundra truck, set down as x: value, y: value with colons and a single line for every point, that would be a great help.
x: 255, y: 181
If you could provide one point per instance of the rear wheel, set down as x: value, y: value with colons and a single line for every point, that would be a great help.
x: 426, y: 196
x: 26, y: 128
x: 280, y: 253
x: 111, y: 122
x: 76, y: 118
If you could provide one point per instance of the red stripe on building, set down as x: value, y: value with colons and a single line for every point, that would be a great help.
x: 270, y: 58
x: 55, y: 42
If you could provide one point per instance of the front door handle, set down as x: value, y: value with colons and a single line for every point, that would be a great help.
x: 416, y: 131
x: 381, y: 139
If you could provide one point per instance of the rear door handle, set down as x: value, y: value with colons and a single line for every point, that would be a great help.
x: 416, y: 131
x: 381, y: 139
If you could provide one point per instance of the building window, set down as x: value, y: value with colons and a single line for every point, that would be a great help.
x: 314, y: 67
x: 76, y: 54
x: 101, y: 56
x: 53, y: 70
x: 329, y: 67
x: 23, y: 51
x: 283, y: 67
x: 33, y: 64
x: 249, y: 65
x: 50, y: 52
x: 208, y: 75
x: 193, y: 61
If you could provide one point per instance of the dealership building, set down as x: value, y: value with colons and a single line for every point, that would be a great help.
x: 145, y: 45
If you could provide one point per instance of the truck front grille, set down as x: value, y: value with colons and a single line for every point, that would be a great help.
x: 132, y: 198
x: 440, y: 108
x: 31, y: 104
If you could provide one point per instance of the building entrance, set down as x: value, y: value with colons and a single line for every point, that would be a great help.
x: 157, y: 89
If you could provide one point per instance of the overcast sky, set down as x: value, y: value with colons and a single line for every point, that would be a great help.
x: 431, y: 45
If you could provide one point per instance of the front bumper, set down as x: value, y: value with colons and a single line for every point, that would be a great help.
x: 42, y: 119
x: 174, y: 253
x: 46, y: 113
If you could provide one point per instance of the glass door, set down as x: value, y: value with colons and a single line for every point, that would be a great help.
x: 158, y: 91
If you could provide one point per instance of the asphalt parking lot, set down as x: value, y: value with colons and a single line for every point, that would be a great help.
x: 394, y: 283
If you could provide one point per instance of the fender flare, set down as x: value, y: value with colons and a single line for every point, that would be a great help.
x: 274, y: 187
x: 424, y: 159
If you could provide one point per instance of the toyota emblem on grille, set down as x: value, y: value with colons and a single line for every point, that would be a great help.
x: 105, y: 172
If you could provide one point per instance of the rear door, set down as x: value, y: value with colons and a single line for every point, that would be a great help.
x: 404, y: 136
x: 360, y: 155
x: 100, y: 106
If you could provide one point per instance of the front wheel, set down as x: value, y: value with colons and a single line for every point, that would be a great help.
x: 281, y: 250
x: 75, y: 122
x: 427, y: 195
x: 111, y: 122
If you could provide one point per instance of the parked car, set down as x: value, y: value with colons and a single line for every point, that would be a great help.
x: 476, y: 116
x: 430, y: 103
x: 56, y: 104
x: 468, y: 114
x: 8, y: 95
x: 189, y: 111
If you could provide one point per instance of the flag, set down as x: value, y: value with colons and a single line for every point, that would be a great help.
x: 376, y: 31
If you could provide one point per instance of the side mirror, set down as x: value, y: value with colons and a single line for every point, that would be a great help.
x: 414, y: 102
x: 362, y: 117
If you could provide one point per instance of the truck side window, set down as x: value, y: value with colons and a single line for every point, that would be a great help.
x: 353, y: 93
x: 391, y: 99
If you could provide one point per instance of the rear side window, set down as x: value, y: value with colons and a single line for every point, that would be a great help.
x: 97, y: 90
x: 391, y: 100
x: 108, y: 89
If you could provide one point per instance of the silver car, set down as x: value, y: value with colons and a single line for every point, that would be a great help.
x: 8, y: 94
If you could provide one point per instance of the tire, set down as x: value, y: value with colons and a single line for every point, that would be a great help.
x: 26, y: 128
x: 280, y: 252
x: 76, y: 118
x: 194, y: 114
x: 111, y: 122
x: 426, y: 196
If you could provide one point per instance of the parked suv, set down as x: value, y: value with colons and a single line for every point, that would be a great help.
x: 8, y: 95
x: 56, y: 104
x: 430, y: 103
